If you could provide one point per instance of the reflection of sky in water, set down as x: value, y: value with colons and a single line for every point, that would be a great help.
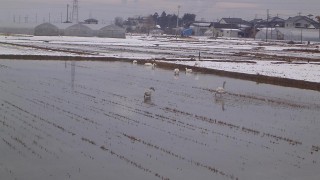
x: 254, y: 131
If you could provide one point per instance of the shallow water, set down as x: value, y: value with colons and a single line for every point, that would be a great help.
x: 88, y: 120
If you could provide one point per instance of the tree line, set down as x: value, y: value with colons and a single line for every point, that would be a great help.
x: 170, y: 20
x: 166, y: 22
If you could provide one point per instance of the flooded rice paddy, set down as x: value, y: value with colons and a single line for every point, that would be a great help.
x: 88, y: 120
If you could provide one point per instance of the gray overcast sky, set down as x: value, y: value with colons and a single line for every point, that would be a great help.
x: 106, y: 10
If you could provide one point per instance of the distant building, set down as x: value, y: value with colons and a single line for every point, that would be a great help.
x: 276, y: 22
x: 240, y: 23
x: 199, y: 28
x: 271, y: 22
x: 79, y: 30
x: 230, y: 33
x: 112, y: 31
x: 17, y: 28
x: 236, y: 25
x: 301, y: 22
x: 46, y: 29
x: 90, y: 21
x: 288, y: 34
x: 63, y: 29
x: 226, y: 30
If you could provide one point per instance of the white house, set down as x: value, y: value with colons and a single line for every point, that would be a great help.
x: 226, y: 30
x: 301, y: 22
x: 230, y: 33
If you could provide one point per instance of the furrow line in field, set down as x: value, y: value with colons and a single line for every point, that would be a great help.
x: 32, y: 117
x: 135, y: 122
x: 25, y: 145
x: 122, y: 157
x: 42, y: 119
x: 275, y: 101
x: 188, y: 125
x: 180, y: 157
x: 33, y: 129
x: 151, y: 115
x: 19, y: 143
x: 243, y: 129
x: 144, y: 113
x: 31, y: 124
x: 13, y: 147
x: 71, y: 115
x: 236, y: 127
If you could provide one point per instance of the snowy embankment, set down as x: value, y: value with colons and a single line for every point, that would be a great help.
x: 304, y: 71
x: 234, y: 55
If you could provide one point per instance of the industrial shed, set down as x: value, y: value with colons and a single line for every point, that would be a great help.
x: 79, y: 30
x: 112, y: 31
x: 46, y: 29
x: 17, y: 28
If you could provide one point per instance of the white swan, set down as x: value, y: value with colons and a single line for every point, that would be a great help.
x: 150, y: 64
x: 134, y: 62
x: 221, y: 90
x: 148, y: 92
x: 188, y: 70
x: 176, y: 71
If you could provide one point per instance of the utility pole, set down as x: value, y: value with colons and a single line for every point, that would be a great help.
x: 178, y: 15
x: 267, y: 25
x: 75, y: 12
x: 213, y: 29
x: 254, y: 26
x: 26, y: 19
x: 301, y: 36
x: 178, y: 21
x: 67, y: 13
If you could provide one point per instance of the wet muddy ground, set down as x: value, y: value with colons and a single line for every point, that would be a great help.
x: 88, y: 120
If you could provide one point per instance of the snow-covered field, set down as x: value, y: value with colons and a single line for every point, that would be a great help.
x: 237, y: 55
x: 88, y: 120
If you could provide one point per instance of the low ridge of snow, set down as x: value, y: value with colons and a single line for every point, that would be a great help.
x: 147, y: 47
